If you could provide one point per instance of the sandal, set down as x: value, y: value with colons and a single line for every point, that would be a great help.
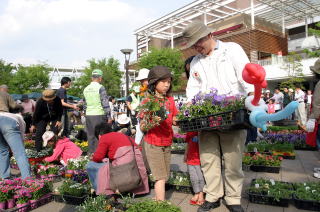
x: 192, y: 202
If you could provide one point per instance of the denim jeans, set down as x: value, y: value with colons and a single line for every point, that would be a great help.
x: 10, y: 137
x: 93, y: 169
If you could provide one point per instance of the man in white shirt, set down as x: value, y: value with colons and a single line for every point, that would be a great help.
x: 309, y: 101
x: 218, y: 65
x: 300, y: 112
x: 278, y: 99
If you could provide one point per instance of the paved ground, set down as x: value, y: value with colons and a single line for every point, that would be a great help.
x: 298, y: 170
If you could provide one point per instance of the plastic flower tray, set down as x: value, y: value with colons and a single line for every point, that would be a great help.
x: 178, y: 151
x: 220, y: 121
x: 306, y: 204
x: 307, y: 148
x: 182, y: 189
x: 269, y: 169
x: 267, y: 200
x: 72, y: 200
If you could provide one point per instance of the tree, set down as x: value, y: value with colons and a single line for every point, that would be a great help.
x: 315, y: 32
x: 294, y: 68
x: 34, y: 78
x: 111, y: 77
x: 171, y: 58
x: 5, y: 72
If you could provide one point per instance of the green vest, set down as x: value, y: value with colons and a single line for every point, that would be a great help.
x: 135, y: 101
x: 92, y: 96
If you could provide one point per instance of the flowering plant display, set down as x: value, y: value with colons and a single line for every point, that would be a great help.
x: 272, y: 188
x: 23, y: 195
x: 29, y: 144
x: 204, y: 104
x: 78, y: 164
x: 69, y: 187
x: 42, y: 170
x: 34, y: 154
x: 84, y: 145
x: 262, y: 160
x: 178, y: 146
x: 78, y: 127
x: 307, y: 191
x: 179, y: 138
x: 179, y: 178
x: 152, y: 111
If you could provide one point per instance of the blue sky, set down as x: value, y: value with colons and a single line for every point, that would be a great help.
x: 69, y: 32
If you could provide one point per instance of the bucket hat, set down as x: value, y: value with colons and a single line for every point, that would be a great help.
x: 193, y: 32
x: 97, y: 72
x: 47, y: 136
x: 158, y: 73
x: 48, y: 95
x: 143, y: 74
x: 123, y: 119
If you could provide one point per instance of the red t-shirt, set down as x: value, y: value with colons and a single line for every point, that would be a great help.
x: 162, y: 135
x: 109, y: 144
x: 193, y: 157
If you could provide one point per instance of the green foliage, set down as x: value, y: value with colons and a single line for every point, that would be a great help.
x: 148, y: 205
x: 111, y: 77
x: 280, y: 128
x: 5, y: 72
x: 171, y: 58
x: 315, y: 32
x: 271, y: 188
x: 308, y: 191
x: 72, y: 188
x: 98, y: 204
x: 27, y: 79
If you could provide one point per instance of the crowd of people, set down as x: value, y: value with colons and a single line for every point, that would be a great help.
x: 110, y: 126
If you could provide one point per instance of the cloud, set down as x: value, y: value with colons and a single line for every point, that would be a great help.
x: 68, y: 31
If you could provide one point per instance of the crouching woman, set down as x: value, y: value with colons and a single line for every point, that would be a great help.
x: 114, y: 148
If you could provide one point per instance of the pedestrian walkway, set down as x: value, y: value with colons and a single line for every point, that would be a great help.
x: 298, y: 170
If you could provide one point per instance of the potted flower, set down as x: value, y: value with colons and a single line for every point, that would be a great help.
x: 180, y: 182
x: 3, y: 198
x: 213, y: 111
x: 23, y: 196
x: 52, y: 170
x: 307, y: 196
x: 150, y: 205
x: 246, y: 161
x: 73, y: 192
x: 270, y: 192
x: 265, y: 163
x: 42, y: 171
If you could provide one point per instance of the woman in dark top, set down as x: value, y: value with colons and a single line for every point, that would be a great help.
x: 48, y: 110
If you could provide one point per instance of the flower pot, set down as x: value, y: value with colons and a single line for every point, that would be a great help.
x: 268, y: 200
x: 69, y: 171
x: 11, y: 203
x: 33, y: 203
x: 245, y: 167
x: 43, y: 176
x: 3, y: 205
x: 72, y: 200
x: 269, y: 169
x: 45, y: 199
x: 22, y: 207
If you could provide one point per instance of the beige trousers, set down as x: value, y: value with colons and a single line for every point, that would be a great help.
x: 301, y: 113
x: 232, y: 147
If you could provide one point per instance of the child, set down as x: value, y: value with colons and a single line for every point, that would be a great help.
x: 64, y: 148
x: 271, y: 106
x: 157, y: 141
x: 192, y: 158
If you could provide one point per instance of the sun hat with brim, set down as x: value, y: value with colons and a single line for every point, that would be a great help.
x: 48, y: 95
x: 194, y: 32
x: 123, y: 119
x: 316, y: 67
x: 47, y: 136
x: 143, y: 74
x: 158, y: 73
x: 97, y: 72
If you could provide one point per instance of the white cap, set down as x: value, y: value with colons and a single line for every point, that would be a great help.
x: 123, y: 119
x: 290, y: 89
x: 46, y: 137
x: 267, y: 91
x: 143, y: 74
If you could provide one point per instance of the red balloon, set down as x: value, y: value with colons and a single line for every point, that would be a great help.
x: 255, y: 74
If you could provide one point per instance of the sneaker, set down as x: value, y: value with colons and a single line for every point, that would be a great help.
x: 235, y: 208
x: 316, y: 175
x: 316, y: 169
x: 207, y: 206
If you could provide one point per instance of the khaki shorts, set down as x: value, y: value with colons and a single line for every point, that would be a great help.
x: 158, y: 158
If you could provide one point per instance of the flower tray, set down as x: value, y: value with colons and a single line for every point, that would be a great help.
x: 44, y: 200
x: 36, y: 160
x: 220, y: 121
x: 182, y: 189
x: 72, y: 200
x: 178, y: 151
x: 267, y: 200
x: 306, y: 148
x: 15, y: 209
x: 245, y: 167
x: 269, y: 169
x: 306, y: 204
x: 288, y: 157
x: 264, y: 153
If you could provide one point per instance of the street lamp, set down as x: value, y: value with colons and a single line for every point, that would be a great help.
x: 127, y: 53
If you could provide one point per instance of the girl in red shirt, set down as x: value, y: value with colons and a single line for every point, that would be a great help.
x: 192, y: 158
x: 157, y: 141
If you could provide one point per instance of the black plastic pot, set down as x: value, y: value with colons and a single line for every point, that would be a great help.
x: 306, y: 204
x: 267, y: 200
x: 72, y: 200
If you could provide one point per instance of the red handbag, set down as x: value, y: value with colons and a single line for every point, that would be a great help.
x: 311, y: 138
